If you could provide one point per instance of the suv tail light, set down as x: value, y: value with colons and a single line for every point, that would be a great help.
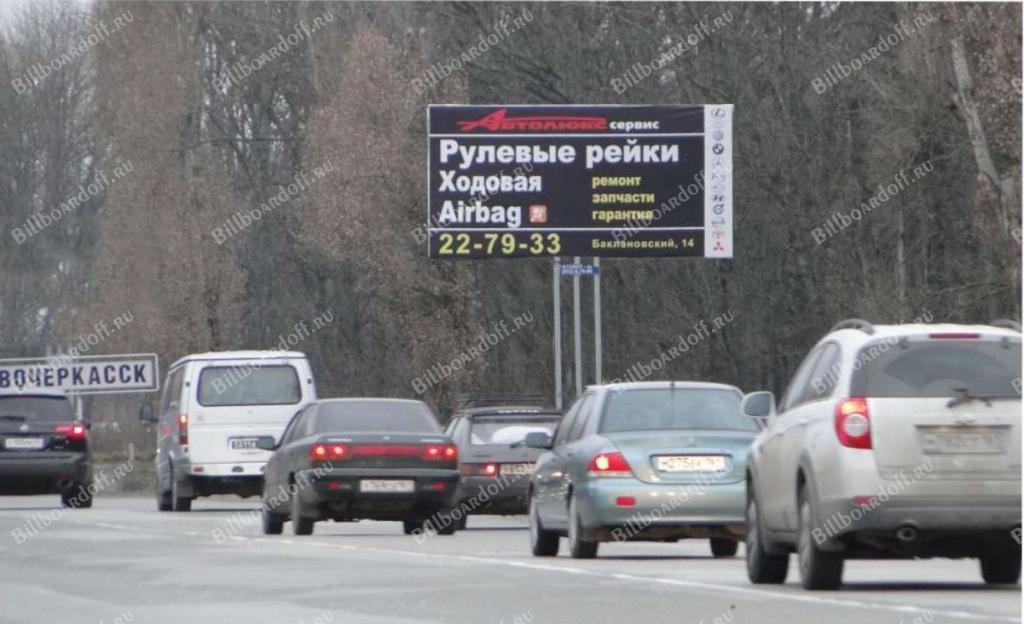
x: 328, y: 452
x: 611, y: 464
x: 72, y: 431
x: 853, y: 423
x: 183, y: 429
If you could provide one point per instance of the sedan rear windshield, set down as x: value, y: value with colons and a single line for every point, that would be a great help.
x: 365, y: 416
x: 938, y: 368
x: 35, y: 409
x: 223, y: 386
x: 508, y: 429
x: 668, y: 409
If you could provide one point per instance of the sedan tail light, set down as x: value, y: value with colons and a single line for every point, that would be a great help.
x: 328, y: 452
x: 441, y: 452
x: 71, y: 431
x: 479, y: 470
x: 610, y: 464
x: 853, y: 423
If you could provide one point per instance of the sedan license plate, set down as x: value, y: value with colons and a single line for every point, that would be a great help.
x: 24, y: 443
x: 242, y: 444
x: 691, y: 463
x: 387, y: 486
x: 962, y: 440
x: 517, y: 470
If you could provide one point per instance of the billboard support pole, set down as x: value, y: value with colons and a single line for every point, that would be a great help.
x: 556, y: 296
x: 597, y: 320
x: 576, y: 328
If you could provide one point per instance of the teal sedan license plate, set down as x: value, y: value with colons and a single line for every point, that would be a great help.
x: 691, y: 463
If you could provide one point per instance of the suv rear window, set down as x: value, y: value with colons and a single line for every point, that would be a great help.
x: 27, y: 408
x: 362, y: 416
x: 668, y: 409
x: 936, y: 368
x: 223, y: 386
x: 508, y: 429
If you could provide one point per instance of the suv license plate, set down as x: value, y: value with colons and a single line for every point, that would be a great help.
x: 969, y: 440
x: 387, y: 486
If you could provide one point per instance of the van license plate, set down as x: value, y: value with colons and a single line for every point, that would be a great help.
x: 387, y: 486
x: 242, y: 444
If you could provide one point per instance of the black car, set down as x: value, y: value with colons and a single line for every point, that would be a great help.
x: 352, y: 459
x: 44, y: 449
x: 494, y: 463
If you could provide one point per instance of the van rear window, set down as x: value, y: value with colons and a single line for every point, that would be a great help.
x: 223, y: 386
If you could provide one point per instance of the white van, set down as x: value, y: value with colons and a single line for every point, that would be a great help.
x: 214, y: 409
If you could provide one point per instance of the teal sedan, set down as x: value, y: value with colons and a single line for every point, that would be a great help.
x: 649, y: 461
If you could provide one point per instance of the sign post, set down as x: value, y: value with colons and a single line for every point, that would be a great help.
x: 597, y: 320
x: 556, y: 297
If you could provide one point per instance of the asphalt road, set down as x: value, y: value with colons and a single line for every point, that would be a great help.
x: 123, y: 562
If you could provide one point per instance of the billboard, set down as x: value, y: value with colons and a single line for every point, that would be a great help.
x: 90, y: 374
x: 533, y: 181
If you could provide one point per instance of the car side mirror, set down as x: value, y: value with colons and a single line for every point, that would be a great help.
x: 537, y: 440
x: 759, y: 405
x: 146, y: 414
x: 266, y: 444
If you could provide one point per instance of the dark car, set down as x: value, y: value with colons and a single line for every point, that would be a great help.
x: 494, y: 463
x: 353, y: 459
x: 44, y: 449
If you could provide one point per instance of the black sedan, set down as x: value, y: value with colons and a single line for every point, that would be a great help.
x: 43, y: 449
x: 353, y: 459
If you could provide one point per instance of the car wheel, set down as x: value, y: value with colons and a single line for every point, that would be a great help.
x: 76, y: 497
x: 1001, y: 569
x: 818, y: 569
x: 409, y: 526
x: 460, y: 524
x: 301, y: 524
x: 163, y: 497
x: 179, y: 502
x: 724, y: 547
x: 762, y: 567
x: 542, y: 543
x: 441, y: 523
x: 579, y: 548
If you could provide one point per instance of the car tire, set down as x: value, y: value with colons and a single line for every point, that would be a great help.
x: 409, y: 527
x: 1001, y: 568
x: 724, y: 547
x: 179, y: 502
x: 460, y: 524
x: 579, y: 548
x: 273, y: 524
x: 437, y: 525
x: 76, y: 497
x: 819, y: 569
x: 763, y: 568
x: 542, y: 543
x: 301, y: 524
x: 163, y: 497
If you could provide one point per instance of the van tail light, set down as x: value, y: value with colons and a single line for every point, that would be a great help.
x: 329, y: 452
x: 611, y: 464
x: 853, y: 423
x: 72, y: 431
x: 183, y: 429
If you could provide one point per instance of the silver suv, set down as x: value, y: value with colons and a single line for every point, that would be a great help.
x: 890, y: 441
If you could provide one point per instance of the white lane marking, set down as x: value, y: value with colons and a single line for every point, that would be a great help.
x: 630, y: 578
